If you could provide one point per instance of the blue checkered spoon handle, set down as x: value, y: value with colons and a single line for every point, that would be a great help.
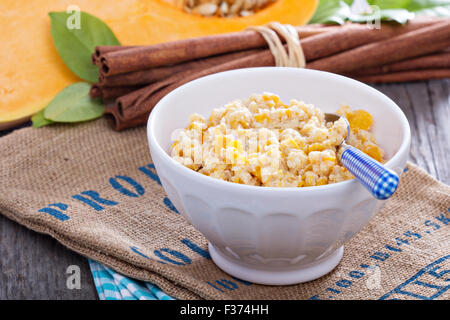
x: 378, y: 179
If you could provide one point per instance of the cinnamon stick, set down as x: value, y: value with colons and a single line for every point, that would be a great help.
x: 304, y: 32
x: 140, y: 58
x: 100, y: 50
x: 138, y: 104
x: 116, y: 122
x: 141, y: 101
x: 403, y: 76
x: 432, y: 61
x: 178, y: 51
x: 154, y: 74
x: 107, y: 93
x: 411, y: 44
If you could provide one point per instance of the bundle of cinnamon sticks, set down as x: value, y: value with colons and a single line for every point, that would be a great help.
x: 135, y: 78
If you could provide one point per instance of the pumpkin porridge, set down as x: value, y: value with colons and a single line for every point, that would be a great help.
x: 261, y: 141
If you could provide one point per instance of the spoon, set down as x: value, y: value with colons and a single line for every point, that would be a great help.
x: 374, y: 176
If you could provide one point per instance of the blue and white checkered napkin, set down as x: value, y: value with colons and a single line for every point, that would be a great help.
x: 114, y: 286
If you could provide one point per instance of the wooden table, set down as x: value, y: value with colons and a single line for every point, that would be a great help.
x: 33, y: 266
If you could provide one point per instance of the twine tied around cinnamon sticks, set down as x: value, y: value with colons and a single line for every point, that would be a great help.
x: 293, y: 55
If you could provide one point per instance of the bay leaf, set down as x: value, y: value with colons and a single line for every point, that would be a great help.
x: 73, y: 104
x: 76, y: 45
x: 39, y: 120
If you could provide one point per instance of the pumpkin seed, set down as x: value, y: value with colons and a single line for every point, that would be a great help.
x: 249, y: 5
x: 236, y: 6
x: 223, y: 8
x: 205, y: 9
x: 245, y: 13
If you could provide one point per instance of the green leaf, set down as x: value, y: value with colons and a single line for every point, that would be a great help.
x: 420, y: 7
x: 331, y: 11
x: 39, y: 120
x: 389, y: 4
x: 436, y: 12
x: 73, y: 104
x: 75, y: 46
x: 397, y: 15
x: 400, y: 11
x: 440, y: 8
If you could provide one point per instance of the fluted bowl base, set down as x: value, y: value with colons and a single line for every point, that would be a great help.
x: 267, y: 276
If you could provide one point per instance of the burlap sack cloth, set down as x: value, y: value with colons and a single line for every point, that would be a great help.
x: 47, y: 174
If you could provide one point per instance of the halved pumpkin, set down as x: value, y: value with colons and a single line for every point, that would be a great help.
x: 32, y: 73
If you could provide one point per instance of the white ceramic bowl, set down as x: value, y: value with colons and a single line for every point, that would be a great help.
x: 273, y: 235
